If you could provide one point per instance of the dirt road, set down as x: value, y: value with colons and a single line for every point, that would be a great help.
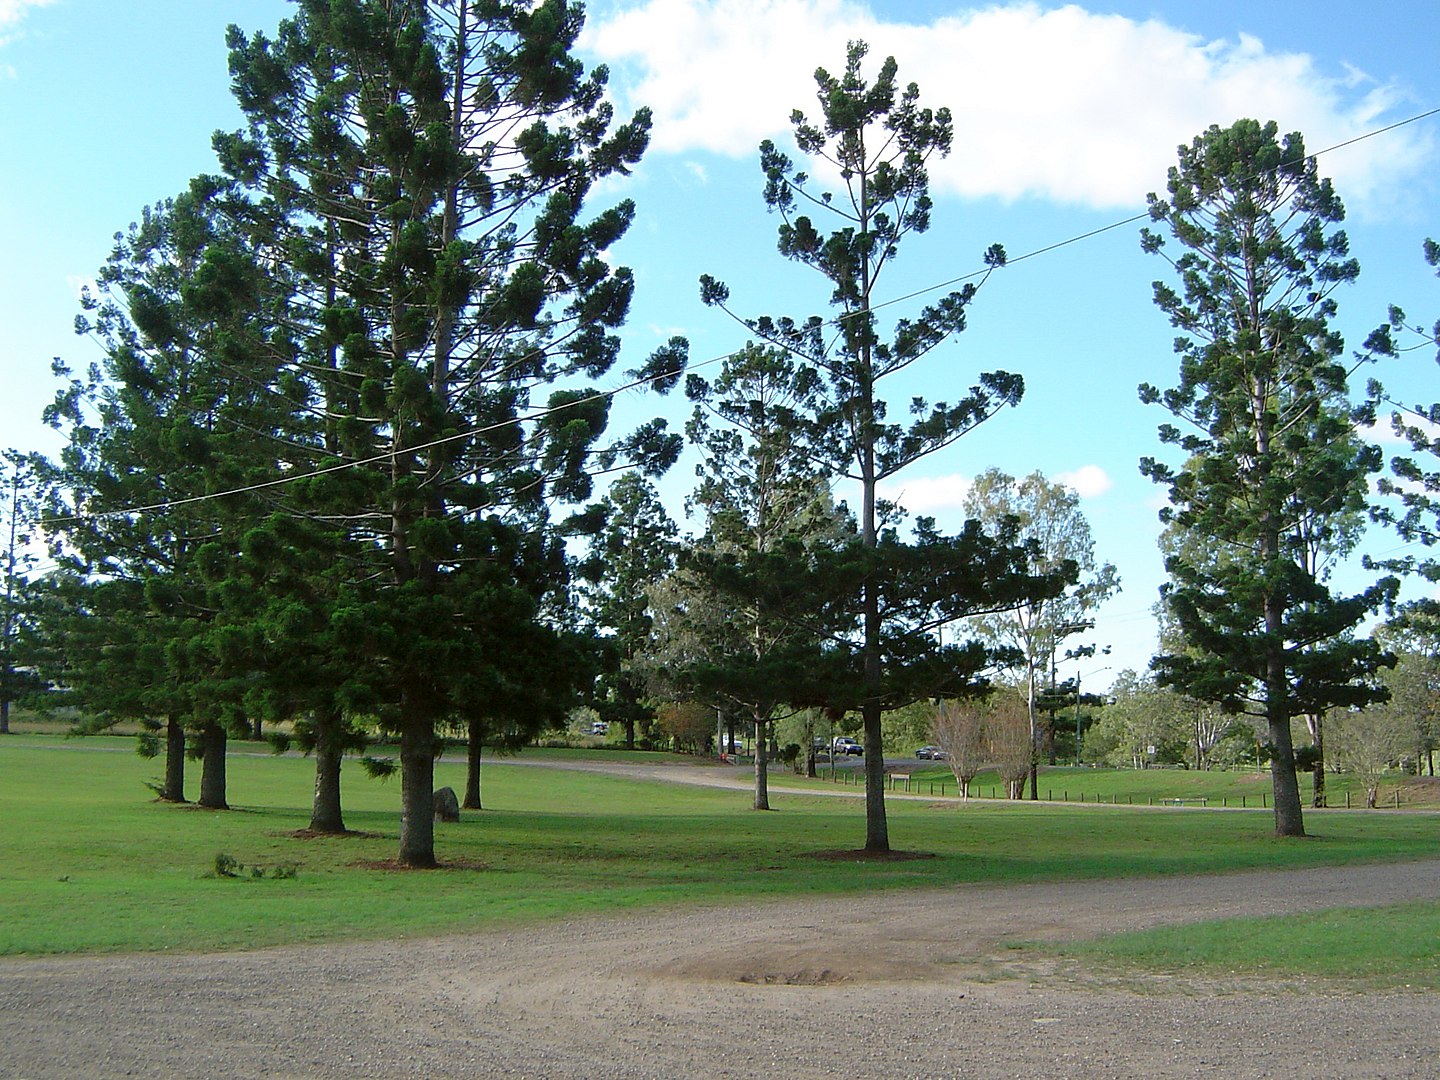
x: 791, y: 989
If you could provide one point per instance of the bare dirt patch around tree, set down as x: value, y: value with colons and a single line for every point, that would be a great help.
x: 903, y: 984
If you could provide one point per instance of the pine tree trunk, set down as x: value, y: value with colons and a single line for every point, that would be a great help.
x: 5, y: 714
x: 417, y: 796
x: 474, y: 747
x: 877, y: 829
x: 325, y: 813
x: 762, y: 778
x: 1288, y: 818
x: 174, y: 786
x: 212, y: 768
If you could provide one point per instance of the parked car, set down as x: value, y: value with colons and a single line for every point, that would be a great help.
x: 600, y: 727
x: 843, y: 744
x: 931, y: 753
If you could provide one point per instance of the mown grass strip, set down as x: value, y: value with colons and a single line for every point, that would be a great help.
x: 1391, y: 947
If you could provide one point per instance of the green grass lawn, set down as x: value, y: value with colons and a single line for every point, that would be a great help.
x: 90, y: 863
x: 1240, y: 787
x: 1385, y: 947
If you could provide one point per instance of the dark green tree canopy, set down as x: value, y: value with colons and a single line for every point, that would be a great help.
x: 1271, y: 472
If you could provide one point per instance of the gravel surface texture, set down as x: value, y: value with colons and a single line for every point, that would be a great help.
x: 904, y: 984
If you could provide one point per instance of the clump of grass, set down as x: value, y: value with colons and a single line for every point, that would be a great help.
x: 227, y: 866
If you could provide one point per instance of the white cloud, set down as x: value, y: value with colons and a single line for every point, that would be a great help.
x: 1383, y: 430
x: 13, y: 11
x: 1062, y: 104
x: 1088, y: 481
x: 927, y: 494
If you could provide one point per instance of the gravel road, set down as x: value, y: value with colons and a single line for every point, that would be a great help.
x: 792, y: 988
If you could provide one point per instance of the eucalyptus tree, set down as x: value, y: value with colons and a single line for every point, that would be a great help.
x: 1269, y: 466
x: 422, y: 169
x: 1050, y: 516
x: 1141, y: 723
x: 876, y: 140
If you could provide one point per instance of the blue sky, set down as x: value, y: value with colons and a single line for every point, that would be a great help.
x: 1065, y: 118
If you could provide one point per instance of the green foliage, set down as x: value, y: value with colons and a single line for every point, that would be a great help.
x: 227, y: 866
x: 1416, y: 482
x: 23, y: 646
x: 878, y: 140
x: 631, y: 547
x: 1271, y: 471
x: 372, y: 301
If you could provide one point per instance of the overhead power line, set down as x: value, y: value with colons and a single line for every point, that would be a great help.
x: 599, y: 395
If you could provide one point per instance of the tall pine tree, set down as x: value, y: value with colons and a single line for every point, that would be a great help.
x: 878, y: 140
x: 1269, y: 467
x: 424, y: 168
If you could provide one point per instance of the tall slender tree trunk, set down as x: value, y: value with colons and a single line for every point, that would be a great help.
x: 877, y: 829
x: 762, y: 758
x: 474, y: 747
x: 173, y: 789
x: 1288, y: 818
x: 212, y: 767
x: 1316, y: 724
x: 325, y: 814
x: 5, y: 712
x: 1034, y: 736
x: 1286, y: 788
x: 417, y: 794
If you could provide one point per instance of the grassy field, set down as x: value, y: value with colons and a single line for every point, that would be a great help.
x: 90, y: 863
x: 1235, y: 787
x: 1387, y: 947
